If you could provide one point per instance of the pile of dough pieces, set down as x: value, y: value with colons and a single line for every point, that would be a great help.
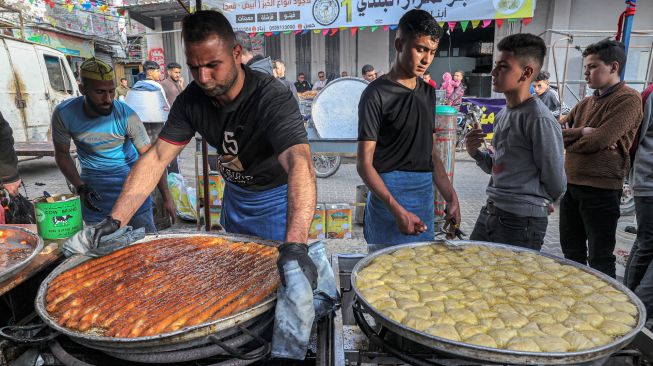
x: 496, y: 298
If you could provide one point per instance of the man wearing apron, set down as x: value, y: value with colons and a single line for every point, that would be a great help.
x: 109, y: 137
x: 255, y: 124
x: 396, y: 156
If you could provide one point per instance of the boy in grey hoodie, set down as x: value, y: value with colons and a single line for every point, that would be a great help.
x: 527, y: 164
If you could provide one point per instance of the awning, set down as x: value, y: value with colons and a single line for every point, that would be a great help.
x: 144, y: 11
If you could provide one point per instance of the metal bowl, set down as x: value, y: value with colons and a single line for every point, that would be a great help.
x: 179, y: 339
x: 14, y: 239
x: 335, y: 108
x: 480, y: 353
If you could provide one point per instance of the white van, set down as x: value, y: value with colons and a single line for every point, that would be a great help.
x: 33, y: 80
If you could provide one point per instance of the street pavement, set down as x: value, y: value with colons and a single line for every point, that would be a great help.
x: 469, y: 181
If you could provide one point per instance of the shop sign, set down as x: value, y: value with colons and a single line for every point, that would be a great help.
x: 69, y: 45
x: 255, y: 16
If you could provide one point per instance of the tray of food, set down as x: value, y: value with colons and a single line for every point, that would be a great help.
x: 497, y: 302
x: 173, y: 287
x: 18, y: 247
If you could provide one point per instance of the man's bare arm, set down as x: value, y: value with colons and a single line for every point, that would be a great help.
x: 142, y: 179
x: 302, y: 191
x: 162, y: 185
x: 66, y: 164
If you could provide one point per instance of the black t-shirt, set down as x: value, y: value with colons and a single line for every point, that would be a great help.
x: 261, y: 123
x: 401, y: 122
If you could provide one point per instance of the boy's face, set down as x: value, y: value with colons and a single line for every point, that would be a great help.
x: 508, y: 73
x: 540, y: 86
x: 598, y: 74
x: 416, y: 53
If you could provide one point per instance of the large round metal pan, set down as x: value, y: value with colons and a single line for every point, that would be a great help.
x: 15, y: 238
x: 480, y: 353
x: 334, y: 110
x: 182, y: 337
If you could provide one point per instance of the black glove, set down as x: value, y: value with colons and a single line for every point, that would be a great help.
x: 88, y: 195
x: 107, y: 226
x: 298, y: 252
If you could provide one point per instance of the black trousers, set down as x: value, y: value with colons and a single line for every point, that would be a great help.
x: 588, y: 225
x: 639, y: 270
x: 499, y: 226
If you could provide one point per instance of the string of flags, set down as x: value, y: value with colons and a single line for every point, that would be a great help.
x: 463, y: 25
x: 86, y: 5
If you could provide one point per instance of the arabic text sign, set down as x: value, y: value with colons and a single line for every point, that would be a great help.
x: 282, y: 15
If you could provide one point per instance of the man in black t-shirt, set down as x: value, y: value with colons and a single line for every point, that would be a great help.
x: 255, y: 124
x: 396, y: 156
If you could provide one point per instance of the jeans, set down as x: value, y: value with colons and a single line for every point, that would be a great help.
x: 639, y: 269
x: 499, y: 226
x: 588, y: 225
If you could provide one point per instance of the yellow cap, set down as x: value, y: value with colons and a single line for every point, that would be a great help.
x: 95, y: 69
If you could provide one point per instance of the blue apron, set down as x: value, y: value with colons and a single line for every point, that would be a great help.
x: 108, y: 183
x: 261, y: 214
x: 414, y: 192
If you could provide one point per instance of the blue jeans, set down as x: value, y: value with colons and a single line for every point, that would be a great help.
x: 414, y: 192
x: 639, y: 269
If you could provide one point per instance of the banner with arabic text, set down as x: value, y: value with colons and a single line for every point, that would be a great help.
x: 255, y: 16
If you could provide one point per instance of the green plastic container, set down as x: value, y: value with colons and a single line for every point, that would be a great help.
x: 60, y: 219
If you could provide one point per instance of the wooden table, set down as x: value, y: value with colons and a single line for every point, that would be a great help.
x: 38, y: 149
x: 48, y: 255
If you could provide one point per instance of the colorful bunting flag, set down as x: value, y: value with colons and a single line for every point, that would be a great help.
x: 374, y: 28
x: 393, y: 27
x: 333, y: 32
x: 317, y: 31
x: 487, y: 22
x: 464, y: 24
x: 452, y: 26
x: 70, y: 7
x: 325, y: 32
x: 498, y: 22
x: 268, y: 34
x: 386, y: 28
x: 353, y: 31
x: 441, y: 24
x: 297, y: 31
x: 527, y: 21
x: 305, y: 31
x: 475, y: 23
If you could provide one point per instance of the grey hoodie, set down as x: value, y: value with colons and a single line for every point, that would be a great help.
x: 260, y: 63
x: 527, y: 166
x: 641, y: 178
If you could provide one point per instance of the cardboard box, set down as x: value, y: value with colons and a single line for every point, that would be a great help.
x: 338, y: 221
x: 216, y: 188
x: 318, y: 225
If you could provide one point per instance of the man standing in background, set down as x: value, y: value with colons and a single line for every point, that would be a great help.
x: 122, y: 89
x: 174, y: 83
x: 254, y: 62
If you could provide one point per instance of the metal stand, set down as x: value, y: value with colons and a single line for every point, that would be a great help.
x: 202, y: 152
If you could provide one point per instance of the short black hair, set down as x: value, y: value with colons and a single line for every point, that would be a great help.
x: 173, y: 65
x: 417, y: 23
x: 608, y: 51
x: 121, y: 79
x: 542, y: 76
x: 525, y: 45
x: 321, y: 72
x: 301, y: 74
x: 150, y: 65
x: 244, y: 40
x: 201, y: 25
x: 367, y: 68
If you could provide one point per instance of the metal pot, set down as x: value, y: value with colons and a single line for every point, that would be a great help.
x: 484, y: 354
x: 180, y: 339
x: 14, y: 238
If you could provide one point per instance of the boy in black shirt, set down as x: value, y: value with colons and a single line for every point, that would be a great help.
x: 396, y: 156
